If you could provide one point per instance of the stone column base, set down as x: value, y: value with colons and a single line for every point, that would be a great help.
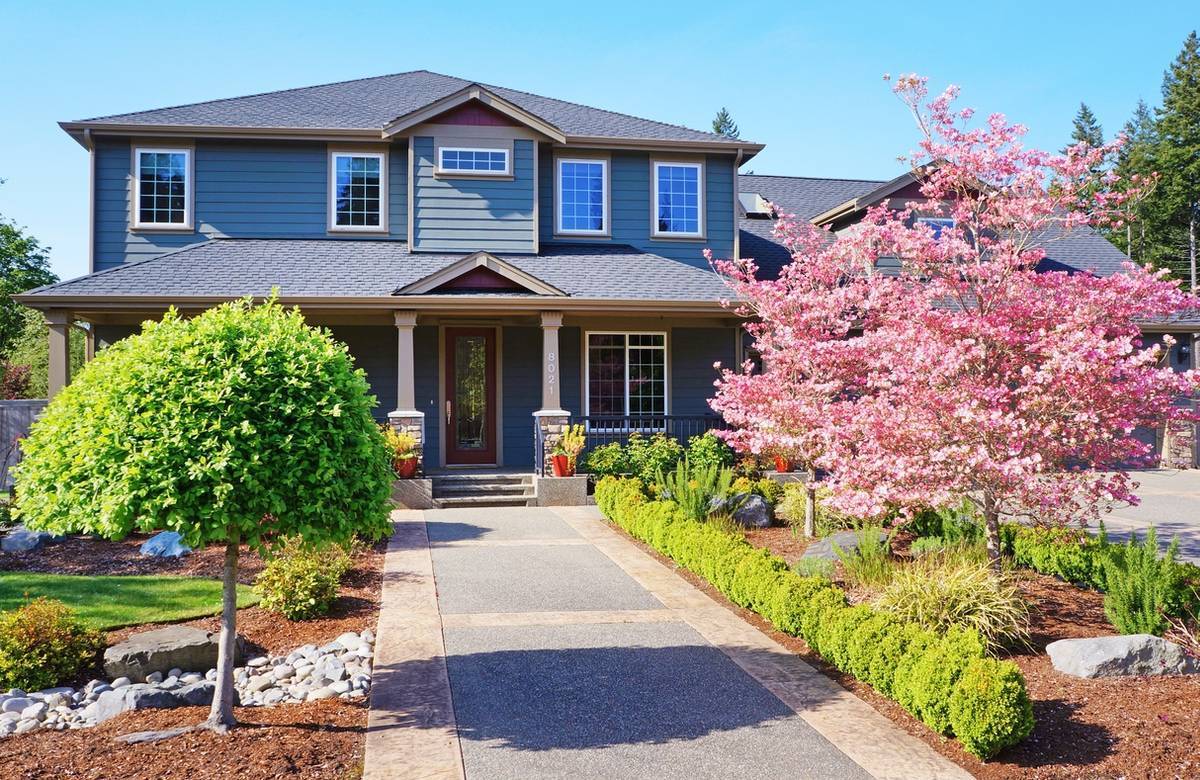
x: 411, y: 422
x: 551, y: 423
x: 1179, y: 445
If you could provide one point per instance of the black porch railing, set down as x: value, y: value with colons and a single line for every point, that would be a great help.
x: 606, y: 429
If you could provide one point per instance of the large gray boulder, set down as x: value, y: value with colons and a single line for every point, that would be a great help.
x: 825, y: 550
x: 748, y: 510
x: 163, y: 649
x: 144, y: 696
x: 20, y: 539
x: 165, y: 544
x: 1120, y: 656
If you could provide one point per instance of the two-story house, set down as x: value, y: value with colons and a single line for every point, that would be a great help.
x: 497, y: 262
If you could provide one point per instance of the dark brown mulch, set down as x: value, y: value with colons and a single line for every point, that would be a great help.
x: 314, y: 740
x: 1134, y: 728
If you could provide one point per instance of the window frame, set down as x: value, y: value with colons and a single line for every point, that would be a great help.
x: 189, y: 179
x: 701, y: 200
x: 439, y: 170
x: 587, y: 376
x: 605, y: 195
x: 938, y: 224
x: 331, y: 194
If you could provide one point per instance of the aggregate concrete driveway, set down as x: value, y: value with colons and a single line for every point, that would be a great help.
x: 1170, y: 501
x: 527, y: 643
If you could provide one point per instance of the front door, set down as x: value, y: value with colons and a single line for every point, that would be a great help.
x: 470, y: 395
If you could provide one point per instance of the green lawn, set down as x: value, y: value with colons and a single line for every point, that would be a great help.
x: 112, y: 602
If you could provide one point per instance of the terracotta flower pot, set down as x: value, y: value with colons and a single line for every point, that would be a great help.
x: 562, y: 465
x: 406, y: 468
x: 782, y: 464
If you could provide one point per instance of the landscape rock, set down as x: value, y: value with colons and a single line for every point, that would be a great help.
x: 16, y: 704
x: 846, y: 540
x: 171, y: 648
x: 165, y: 544
x: 753, y: 512
x: 20, y: 539
x: 1120, y: 656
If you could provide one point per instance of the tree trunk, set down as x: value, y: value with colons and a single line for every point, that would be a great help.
x: 991, y: 525
x: 810, y: 507
x: 220, y: 717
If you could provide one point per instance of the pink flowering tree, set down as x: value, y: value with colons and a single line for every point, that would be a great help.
x: 967, y: 369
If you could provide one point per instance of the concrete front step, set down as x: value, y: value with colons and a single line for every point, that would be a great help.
x: 484, y: 490
x: 481, y: 501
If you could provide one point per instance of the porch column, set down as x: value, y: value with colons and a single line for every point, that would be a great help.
x: 59, y: 323
x: 551, y: 419
x: 406, y: 418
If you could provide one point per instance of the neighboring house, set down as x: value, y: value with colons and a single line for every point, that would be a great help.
x: 497, y: 262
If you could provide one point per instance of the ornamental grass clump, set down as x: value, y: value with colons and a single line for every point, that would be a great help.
x: 42, y: 644
x: 241, y: 426
x: 954, y: 593
x: 869, y: 565
x: 693, y: 488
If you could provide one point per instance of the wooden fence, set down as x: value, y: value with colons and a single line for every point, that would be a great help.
x: 15, y: 419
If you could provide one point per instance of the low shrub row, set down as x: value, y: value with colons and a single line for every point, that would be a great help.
x: 946, y: 681
x: 1142, y: 589
x: 644, y: 457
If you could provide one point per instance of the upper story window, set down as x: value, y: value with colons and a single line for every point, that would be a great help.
x: 678, y: 199
x: 358, y: 191
x: 582, y: 197
x: 937, y: 224
x: 491, y: 162
x: 163, y: 188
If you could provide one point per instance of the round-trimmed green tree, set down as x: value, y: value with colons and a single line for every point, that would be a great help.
x: 241, y: 426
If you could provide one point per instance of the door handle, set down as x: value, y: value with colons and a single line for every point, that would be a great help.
x: 447, y: 413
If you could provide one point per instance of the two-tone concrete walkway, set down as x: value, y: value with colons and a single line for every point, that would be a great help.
x: 525, y: 643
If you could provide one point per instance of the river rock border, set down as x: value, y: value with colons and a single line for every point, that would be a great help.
x: 340, y: 669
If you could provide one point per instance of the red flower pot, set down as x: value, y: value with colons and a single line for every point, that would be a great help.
x: 562, y: 465
x: 406, y: 468
x: 782, y: 464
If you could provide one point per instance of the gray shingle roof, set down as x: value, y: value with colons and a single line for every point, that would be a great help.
x: 372, y: 103
x: 231, y: 267
x: 1080, y: 250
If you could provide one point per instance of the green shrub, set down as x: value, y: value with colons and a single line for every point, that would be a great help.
x: 648, y: 457
x: 925, y: 545
x: 940, y: 594
x: 707, y: 450
x: 607, y: 460
x: 43, y: 644
x: 1140, y: 585
x: 301, y: 582
x: 870, y: 564
x: 889, y: 652
x: 952, y: 524
x: 838, y: 634
x: 693, y: 488
x: 769, y: 489
x: 815, y: 567
x: 935, y: 674
x: 1069, y: 553
x: 989, y: 708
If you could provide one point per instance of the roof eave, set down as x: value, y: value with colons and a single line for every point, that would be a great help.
x: 77, y: 130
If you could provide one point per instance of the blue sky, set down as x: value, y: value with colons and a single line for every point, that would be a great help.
x: 804, y: 78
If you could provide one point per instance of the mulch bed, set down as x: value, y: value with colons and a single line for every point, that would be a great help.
x: 1133, y: 728
x: 321, y: 739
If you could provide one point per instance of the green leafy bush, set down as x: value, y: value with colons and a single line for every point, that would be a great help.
x: 707, y: 450
x: 43, y: 644
x: 918, y: 668
x: 1069, y: 553
x: 607, y: 460
x: 941, y: 594
x: 301, y: 582
x: 951, y: 524
x: 1140, y: 585
x: 870, y: 565
x: 640, y: 457
x: 990, y: 708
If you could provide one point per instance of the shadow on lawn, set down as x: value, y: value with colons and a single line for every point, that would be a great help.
x: 579, y: 698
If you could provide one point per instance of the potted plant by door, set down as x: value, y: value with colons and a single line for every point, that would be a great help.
x: 566, y: 452
x: 404, y: 452
x: 783, y: 464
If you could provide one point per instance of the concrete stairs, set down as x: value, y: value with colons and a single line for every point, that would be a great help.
x: 477, y: 490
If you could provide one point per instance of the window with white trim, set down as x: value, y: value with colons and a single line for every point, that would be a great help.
x: 626, y: 374
x: 582, y: 193
x: 937, y: 224
x: 678, y: 199
x: 163, y: 178
x: 358, y: 194
x: 492, y: 162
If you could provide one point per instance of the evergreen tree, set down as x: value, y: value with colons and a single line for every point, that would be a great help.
x: 1136, y: 158
x: 723, y: 124
x: 1179, y: 161
x: 1086, y: 128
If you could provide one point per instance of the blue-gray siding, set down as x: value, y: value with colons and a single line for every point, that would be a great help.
x: 242, y: 189
x: 522, y: 392
x: 630, y: 189
x: 373, y: 348
x: 453, y: 214
x: 693, y: 352
x: 428, y: 359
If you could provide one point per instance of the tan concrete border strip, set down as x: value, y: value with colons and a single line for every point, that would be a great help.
x: 411, y: 731
x: 849, y: 723
x: 497, y: 619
